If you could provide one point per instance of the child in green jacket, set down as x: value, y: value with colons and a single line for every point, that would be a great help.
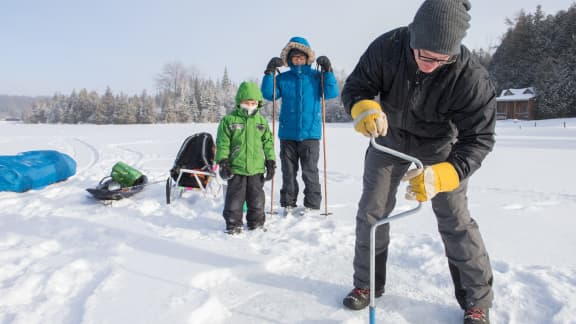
x: 245, y: 153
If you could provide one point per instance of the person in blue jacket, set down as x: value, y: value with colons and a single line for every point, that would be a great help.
x: 300, y: 121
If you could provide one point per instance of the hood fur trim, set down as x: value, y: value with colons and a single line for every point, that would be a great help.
x: 302, y: 47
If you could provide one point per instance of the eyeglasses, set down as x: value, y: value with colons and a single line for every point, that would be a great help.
x: 428, y: 59
x: 298, y: 56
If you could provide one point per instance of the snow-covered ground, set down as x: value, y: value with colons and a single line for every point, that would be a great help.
x: 65, y: 258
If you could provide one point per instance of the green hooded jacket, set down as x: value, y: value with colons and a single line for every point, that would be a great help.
x: 245, y: 139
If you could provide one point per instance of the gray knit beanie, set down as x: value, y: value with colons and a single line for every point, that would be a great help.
x: 440, y: 26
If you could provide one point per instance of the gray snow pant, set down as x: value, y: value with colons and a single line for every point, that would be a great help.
x: 467, y: 257
x: 307, y: 154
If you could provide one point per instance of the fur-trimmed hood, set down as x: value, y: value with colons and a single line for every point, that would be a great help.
x: 299, y: 43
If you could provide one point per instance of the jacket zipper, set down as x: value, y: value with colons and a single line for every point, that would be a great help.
x: 413, y: 86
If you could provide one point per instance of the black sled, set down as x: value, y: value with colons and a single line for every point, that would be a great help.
x: 108, y: 189
x: 123, y: 182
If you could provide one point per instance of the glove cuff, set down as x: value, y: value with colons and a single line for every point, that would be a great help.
x: 364, y: 105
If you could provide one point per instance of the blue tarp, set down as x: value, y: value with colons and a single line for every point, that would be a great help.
x: 34, y: 170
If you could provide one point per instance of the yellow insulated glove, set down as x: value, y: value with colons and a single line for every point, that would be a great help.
x: 426, y: 183
x: 369, y: 120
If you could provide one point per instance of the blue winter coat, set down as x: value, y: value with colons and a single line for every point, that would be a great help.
x: 301, y: 94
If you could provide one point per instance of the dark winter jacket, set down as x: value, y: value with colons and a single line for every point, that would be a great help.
x: 301, y: 93
x: 245, y: 139
x: 447, y: 115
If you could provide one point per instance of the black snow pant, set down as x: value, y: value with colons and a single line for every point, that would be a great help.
x: 245, y: 188
x: 467, y: 257
x: 306, y: 153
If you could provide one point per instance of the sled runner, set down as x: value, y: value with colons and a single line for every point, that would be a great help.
x: 123, y: 182
x: 194, y: 168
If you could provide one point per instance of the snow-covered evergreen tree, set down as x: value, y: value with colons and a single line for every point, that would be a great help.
x: 226, y: 84
x: 194, y: 108
x: 146, y: 113
x: 36, y: 114
x: 540, y: 51
x: 85, y: 106
x: 55, y: 109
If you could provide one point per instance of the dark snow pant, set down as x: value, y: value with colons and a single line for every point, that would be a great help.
x: 306, y: 153
x: 244, y: 188
x: 467, y: 257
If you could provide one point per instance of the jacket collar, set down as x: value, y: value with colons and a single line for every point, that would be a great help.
x: 243, y: 113
x: 300, y: 68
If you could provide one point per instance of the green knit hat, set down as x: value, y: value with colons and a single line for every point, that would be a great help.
x: 440, y: 26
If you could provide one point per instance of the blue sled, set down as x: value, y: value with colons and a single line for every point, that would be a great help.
x: 34, y: 170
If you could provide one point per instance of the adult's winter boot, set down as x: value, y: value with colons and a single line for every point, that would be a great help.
x: 359, y: 298
x: 476, y: 316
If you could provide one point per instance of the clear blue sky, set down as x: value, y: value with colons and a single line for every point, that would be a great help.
x: 56, y: 46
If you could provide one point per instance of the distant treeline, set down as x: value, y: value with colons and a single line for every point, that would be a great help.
x: 11, y: 107
x: 182, y: 97
x: 540, y: 51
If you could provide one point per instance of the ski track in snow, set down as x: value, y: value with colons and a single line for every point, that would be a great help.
x: 94, y: 156
x: 77, y: 261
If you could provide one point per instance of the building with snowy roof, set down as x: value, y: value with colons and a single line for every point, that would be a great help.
x: 516, y: 104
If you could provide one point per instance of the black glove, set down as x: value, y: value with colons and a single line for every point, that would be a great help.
x: 270, y: 169
x: 324, y: 63
x: 225, y: 171
x: 274, y: 63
